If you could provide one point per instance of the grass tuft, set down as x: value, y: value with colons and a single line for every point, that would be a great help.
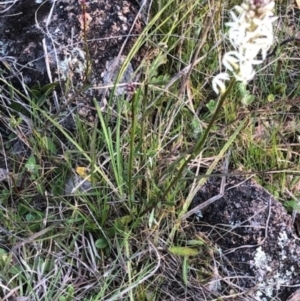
x: 136, y: 168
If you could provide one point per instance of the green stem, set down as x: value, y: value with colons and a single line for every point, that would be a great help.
x: 201, y: 141
x: 198, y: 147
x: 132, y: 149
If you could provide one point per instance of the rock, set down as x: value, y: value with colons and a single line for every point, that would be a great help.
x: 259, y: 250
x: 70, y: 42
x: 111, y: 72
x: 75, y: 183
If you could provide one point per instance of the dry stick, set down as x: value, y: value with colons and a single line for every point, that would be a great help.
x: 201, y: 41
x: 86, y: 48
x: 56, y: 103
x: 214, y: 198
x: 250, y: 174
x: 50, y: 14
x: 9, y: 7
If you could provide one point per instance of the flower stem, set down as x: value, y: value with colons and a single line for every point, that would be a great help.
x: 197, y: 149
x: 201, y: 141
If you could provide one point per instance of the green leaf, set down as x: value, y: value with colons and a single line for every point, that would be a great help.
x: 197, y: 128
x: 185, y: 267
x: 121, y: 222
x: 195, y: 242
x: 34, y: 227
x: 50, y: 146
x: 271, y: 97
x: 280, y: 89
x: 125, y: 220
x: 30, y: 217
x: 294, y: 205
x: 31, y: 165
x: 247, y: 99
x: 242, y: 88
x: 3, y: 256
x: 183, y: 251
x: 212, y: 106
x: 101, y: 243
x: 48, y: 88
x: 15, y: 270
x: 22, y: 210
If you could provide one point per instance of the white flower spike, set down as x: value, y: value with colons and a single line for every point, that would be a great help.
x: 250, y: 33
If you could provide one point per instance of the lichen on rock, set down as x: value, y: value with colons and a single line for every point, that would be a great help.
x: 70, y: 42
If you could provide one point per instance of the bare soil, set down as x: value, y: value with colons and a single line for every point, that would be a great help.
x: 259, y: 250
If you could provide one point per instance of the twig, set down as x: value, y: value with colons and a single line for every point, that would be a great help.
x: 49, y: 74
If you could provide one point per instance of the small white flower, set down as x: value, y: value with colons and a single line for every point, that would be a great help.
x: 218, y: 83
x: 250, y: 53
x: 237, y: 36
x: 231, y: 60
x: 246, y: 73
x: 237, y: 21
x: 238, y: 29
